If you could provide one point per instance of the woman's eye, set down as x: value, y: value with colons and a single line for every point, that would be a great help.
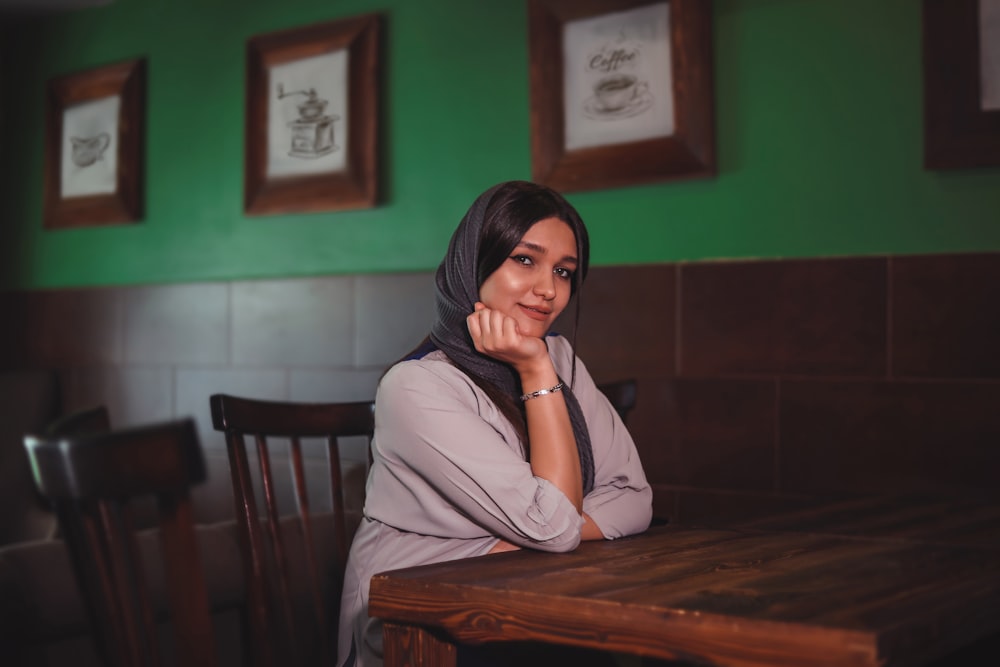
x: 564, y: 273
x: 522, y: 259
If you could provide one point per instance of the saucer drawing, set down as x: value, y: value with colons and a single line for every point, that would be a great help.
x: 592, y: 108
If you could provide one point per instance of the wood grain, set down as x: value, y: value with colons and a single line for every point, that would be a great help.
x: 723, y: 596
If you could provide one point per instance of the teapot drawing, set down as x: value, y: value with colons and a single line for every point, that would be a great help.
x: 88, y: 150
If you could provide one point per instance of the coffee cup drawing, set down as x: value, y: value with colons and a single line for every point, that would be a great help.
x: 616, y: 92
x: 86, y: 151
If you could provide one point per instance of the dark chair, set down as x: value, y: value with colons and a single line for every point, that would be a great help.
x: 282, y: 632
x: 87, y: 421
x: 621, y: 394
x: 90, y: 479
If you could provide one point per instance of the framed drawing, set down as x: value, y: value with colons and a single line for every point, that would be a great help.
x: 94, y: 131
x: 312, y: 118
x: 961, y: 83
x: 621, y: 92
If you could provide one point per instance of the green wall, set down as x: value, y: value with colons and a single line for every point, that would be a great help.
x: 819, y: 131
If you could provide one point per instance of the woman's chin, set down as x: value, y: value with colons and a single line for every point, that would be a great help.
x: 533, y: 329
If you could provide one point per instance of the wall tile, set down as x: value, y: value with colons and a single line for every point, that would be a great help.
x: 62, y: 328
x: 626, y: 321
x: 320, y: 385
x: 875, y: 437
x: 301, y: 322
x: 784, y: 317
x: 707, y: 433
x: 212, y: 500
x: 194, y: 386
x: 393, y: 314
x: 710, y: 441
x: 133, y: 396
x: 946, y: 316
x: 696, y: 506
x: 177, y: 324
x: 664, y: 504
x: 16, y: 330
x: 336, y: 386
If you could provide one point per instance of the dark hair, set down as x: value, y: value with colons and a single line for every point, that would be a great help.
x: 514, y: 208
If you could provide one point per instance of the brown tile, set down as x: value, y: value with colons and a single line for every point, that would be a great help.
x: 62, y: 328
x: 664, y: 504
x: 882, y: 437
x: 626, y: 321
x: 13, y: 333
x: 707, y: 433
x: 695, y: 506
x: 946, y: 316
x: 177, y: 324
x: 294, y: 322
x: 822, y: 316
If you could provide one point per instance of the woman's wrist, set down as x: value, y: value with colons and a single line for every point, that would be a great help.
x: 542, y: 392
x: 538, y: 379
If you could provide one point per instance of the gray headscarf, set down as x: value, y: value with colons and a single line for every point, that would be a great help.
x: 456, y: 294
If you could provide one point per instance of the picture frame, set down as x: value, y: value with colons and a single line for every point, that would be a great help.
x: 94, y: 141
x: 622, y: 92
x: 312, y: 117
x: 961, y: 70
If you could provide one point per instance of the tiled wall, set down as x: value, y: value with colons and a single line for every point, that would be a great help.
x: 759, y: 382
x: 762, y: 382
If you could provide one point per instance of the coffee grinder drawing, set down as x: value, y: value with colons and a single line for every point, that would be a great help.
x: 312, y: 131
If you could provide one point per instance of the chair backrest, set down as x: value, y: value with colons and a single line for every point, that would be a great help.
x: 91, y: 479
x: 622, y: 395
x: 286, y: 635
x: 83, y: 422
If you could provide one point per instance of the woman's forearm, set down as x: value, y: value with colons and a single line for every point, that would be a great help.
x: 590, y: 530
x: 553, y: 452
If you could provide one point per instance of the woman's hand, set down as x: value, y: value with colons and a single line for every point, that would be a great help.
x: 497, y: 335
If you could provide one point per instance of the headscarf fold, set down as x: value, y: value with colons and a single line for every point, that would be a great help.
x: 456, y: 293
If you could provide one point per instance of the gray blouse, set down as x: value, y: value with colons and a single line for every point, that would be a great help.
x: 450, y: 479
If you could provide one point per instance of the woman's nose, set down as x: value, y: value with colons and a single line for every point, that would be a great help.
x: 545, y: 285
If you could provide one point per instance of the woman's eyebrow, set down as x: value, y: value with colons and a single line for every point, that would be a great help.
x: 569, y: 259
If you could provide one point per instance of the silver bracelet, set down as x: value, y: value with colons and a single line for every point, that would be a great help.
x: 542, y: 392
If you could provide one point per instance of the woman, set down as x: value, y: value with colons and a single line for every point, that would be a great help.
x: 489, y: 437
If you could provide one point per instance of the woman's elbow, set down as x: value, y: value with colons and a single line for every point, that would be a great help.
x: 562, y: 544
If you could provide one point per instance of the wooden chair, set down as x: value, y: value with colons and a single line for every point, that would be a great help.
x: 87, y: 421
x: 622, y: 395
x: 268, y: 564
x: 91, y: 479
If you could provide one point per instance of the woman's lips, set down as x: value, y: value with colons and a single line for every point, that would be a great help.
x: 535, y: 313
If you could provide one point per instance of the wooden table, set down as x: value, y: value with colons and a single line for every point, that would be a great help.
x: 783, y: 593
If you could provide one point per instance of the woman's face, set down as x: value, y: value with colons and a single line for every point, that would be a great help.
x: 533, y: 285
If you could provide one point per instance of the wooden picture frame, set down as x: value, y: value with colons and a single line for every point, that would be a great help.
x: 586, y: 133
x: 312, y: 118
x: 961, y: 105
x: 94, y: 136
